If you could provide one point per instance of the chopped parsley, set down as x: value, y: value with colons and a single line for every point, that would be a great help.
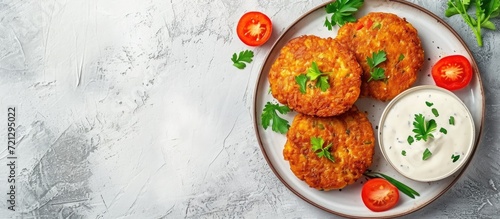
x: 401, y: 57
x: 427, y: 154
x: 452, y: 120
x: 435, y: 112
x: 454, y: 158
x: 410, y: 140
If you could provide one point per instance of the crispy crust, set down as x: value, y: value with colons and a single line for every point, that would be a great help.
x: 384, y: 31
x: 296, y: 57
x: 352, y: 139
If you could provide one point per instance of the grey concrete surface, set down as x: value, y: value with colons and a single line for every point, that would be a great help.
x: 132, y: 109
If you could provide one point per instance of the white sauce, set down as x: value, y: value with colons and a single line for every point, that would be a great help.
x: 398, y: 125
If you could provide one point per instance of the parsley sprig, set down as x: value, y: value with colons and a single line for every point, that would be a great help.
x: 317, y: 147
x: 269, y: 115
x: 485, y: 10
x: 423, y: 129
x: 376, y: 73
x: 244, y: 56
x: 342, y: 12
x: 313, y: 74
x: 401, y: 186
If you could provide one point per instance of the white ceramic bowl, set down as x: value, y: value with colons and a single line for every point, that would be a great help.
x: 440, y: 155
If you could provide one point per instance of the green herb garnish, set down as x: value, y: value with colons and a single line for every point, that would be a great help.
x: 454, y: 158
x: 401, y: 57
x: 269, y: 115
x: 443, y: 130
x: 410, y: 140
x: 317, y: 147
x: 485, y: 10
x: 403, y: 153
x: 429, y: 104
x: 301, y: 81
x: 423, y: 129
x: 376, y: 73
x: 322, y: 83
x: 313, y: 73
x: 435, y: 112
x: 342, y: 12
x: 427, y: 154
x: 452, y: 120
x: 239, y: 60
x: 402, y: 187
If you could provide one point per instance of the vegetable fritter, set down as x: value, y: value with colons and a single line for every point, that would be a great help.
x: 395, y: 36
x: 350, y: 138
x: 340, y: 76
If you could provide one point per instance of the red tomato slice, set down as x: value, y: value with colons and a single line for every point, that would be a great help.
x: 452, y: 72
x: 379, y: 195
x: 254, y: 28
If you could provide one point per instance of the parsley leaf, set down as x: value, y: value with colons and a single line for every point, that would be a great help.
x: 485, y: 10
x: 313, y: 73
x: 239, y: 60
x: 423, y: 129
x: 443, y: 130
x: 269, y: 116
x: 452, y: 120
x: 302, y: 81
x: 454, y: 158
x: 427, y: 154
x: 342, y: 12
x: 322, y: 83
x: 376, y: 73
x: 429, y: 104
x: 376, y: 59
x: 403, y: 152
x: 317, y: 147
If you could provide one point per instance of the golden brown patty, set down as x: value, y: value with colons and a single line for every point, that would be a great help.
x: 398, y: 38
x: 352, y: 139
x: 332, y: 58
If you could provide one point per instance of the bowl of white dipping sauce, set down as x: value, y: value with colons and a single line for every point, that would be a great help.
x: 426, y: 133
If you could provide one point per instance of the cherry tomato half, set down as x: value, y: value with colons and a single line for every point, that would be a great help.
x: 254, y: 28
x: 379, y: 195
x: 452, y: 72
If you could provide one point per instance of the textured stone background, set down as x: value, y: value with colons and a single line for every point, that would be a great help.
x: 132, y: 109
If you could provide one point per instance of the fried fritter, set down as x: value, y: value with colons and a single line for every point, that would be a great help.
x: 333, y: 59
x: 352, y: 139
x: 398, y: 38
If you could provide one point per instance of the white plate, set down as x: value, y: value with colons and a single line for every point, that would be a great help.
x: 438, y: 40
